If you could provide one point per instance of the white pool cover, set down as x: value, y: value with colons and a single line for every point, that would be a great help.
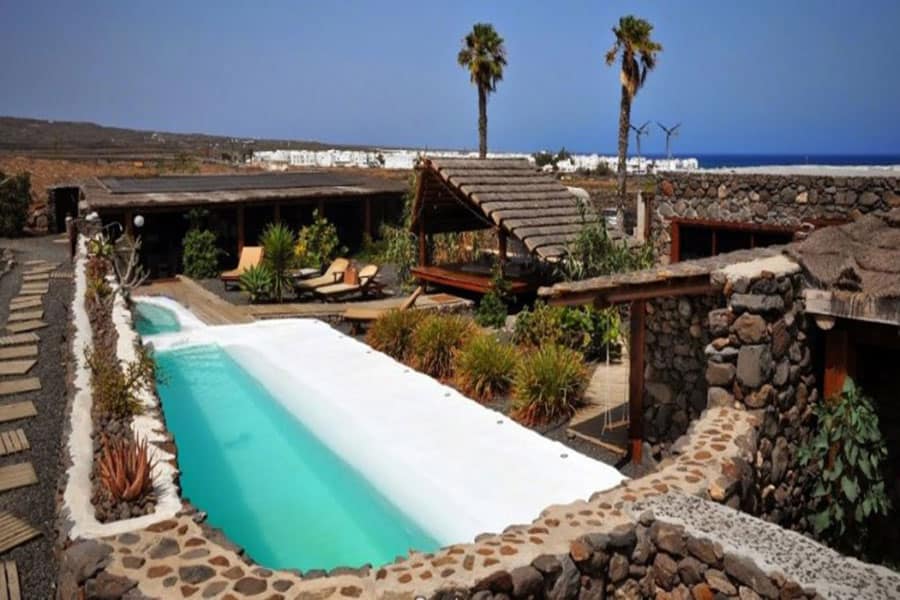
x: 455, y: 467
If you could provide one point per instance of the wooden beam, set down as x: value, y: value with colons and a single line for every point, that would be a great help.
x: 847, y: 305
x: 129, y: 223
x: 240, y: 227
x: 423, y: 242
x: 838, y: 361
x: 636, y: 380
x: 675, y: 244
x: 502, y: 246
x: 698, y: 285
x: 277, y: 218
x: 367, y: 217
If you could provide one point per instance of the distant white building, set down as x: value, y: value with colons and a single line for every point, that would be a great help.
x: 403, y: 159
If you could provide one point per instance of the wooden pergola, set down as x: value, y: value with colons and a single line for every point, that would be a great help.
x: 508, y: 196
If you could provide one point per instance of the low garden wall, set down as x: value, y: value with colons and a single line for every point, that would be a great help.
x: 764, y: 199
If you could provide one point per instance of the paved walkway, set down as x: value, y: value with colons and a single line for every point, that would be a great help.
x: 603, y: 418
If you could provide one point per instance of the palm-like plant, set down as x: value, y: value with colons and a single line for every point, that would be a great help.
x: 484, y: 56
x: 278, y: 256
x: 638, y: 52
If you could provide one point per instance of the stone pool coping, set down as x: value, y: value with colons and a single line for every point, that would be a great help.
x: 76, y: 501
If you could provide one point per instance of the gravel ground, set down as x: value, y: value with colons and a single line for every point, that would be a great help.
x: 36, y: 559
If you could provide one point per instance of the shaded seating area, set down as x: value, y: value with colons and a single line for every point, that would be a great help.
x: 534, y: 217
x: 251, y: 256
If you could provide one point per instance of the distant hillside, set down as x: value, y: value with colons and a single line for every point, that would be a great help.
x: 69, y: 139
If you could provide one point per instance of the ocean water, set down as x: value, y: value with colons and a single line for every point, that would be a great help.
x: 150, y: 319
x: 265, y: 479
x: 713, y: 161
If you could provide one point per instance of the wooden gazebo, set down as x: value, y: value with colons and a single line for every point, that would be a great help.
x: 528, y: 209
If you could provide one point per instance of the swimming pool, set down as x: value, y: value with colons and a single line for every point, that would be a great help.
x: 150, y: 319
x: 312, y: 450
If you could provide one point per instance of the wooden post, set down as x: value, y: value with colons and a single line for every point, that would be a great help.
x: 240, y: 227
x: 129, y: 223
x: 675, y: 243
x: 320, y: 207
x: 838, y: 361
x: 423, y: 243
x: 502, y: 243
x: 636, y: 380
x: 367, y: 216
x: 278, y: 212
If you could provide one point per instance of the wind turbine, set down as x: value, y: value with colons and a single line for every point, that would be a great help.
x: 638, y: 132
x: 670, y: 133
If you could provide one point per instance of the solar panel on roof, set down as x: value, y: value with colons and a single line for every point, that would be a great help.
x: 221, y: 183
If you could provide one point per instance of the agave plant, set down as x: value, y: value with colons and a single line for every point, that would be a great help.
x: 257, y: 282
x: 278, y: 256
x: 126, y: 468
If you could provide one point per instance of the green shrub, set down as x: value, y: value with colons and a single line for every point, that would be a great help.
x: 492, y: 309
x: 318, y: 244
x: 548, y: 384
x: 593, y: 254
x: 15, y: 196
x: 116, y: 386
x: 585, y: 329
x: 392, y: 333
x: 278, y: 256
x: 400, y: 251
x: 849, y: 455
x: 435, y: 340
x: 201, y: 255
x: 257, y: 282
x: 484, y: 366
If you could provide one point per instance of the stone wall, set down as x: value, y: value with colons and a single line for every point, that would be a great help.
x: 674, y: 388
x: 761, y: 359
x: 764, y: 199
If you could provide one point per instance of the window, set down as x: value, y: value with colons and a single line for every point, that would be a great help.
x: 693, y: 238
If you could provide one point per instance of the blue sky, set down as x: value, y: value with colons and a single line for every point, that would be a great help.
x: 744, y: 77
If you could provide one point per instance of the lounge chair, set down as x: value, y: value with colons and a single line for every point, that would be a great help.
x: 365, y: 286
x: 360, y: 315
x: 251, y: 256
x: 333, y: 274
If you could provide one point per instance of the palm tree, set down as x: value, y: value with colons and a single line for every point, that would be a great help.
x: 484, y: 56
x: 638, y: 58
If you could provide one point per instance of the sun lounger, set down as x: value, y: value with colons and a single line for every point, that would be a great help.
x: 359, y: 315
x: 333, y: 275
x: 251, y: 256
x: 365, y: 286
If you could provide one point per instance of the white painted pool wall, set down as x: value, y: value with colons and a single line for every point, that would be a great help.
x: 77, y: 494
x: 455, y: 467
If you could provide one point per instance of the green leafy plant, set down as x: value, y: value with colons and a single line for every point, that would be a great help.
x: 484, y: 366
x: 585, y: 329
x: 318, y: 243
x: 392, y: 333
x: 15, y: 196
x: 594, y: 253
x: 117, y: 386
x: 492, y: 309
x: 256, y: 282
x: 201, y: 255
x: 278, y: 256
x: 548, y: 384
x: 435, y: 340
x: 849, y: 454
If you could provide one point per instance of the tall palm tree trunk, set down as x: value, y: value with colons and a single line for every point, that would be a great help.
x: 482, y: 122
x: 624, y: 120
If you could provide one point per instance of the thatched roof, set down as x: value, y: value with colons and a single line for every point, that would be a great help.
x: 861, y: 257
x: 460, y: 194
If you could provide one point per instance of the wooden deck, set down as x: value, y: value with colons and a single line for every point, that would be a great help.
x: 480, y: 283
x: 208, y: 307
x: 333, y: 309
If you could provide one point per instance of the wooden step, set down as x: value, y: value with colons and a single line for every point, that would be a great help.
x: 16, y: 476
x: 25, y: 315
x: 18, y: 352
x: 19, y: 339
x: 23, y: 326
x: 14, y: 531
x: 10, y: 578
x: 17, y: 410
x: 16, y: 367
x: 20, y: 302
x: 19, y: 386
x: 13, y: 441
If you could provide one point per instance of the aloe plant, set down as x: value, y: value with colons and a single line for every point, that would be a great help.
x: 278, y: 256
x: 257, y: 282
x: 126, y: 468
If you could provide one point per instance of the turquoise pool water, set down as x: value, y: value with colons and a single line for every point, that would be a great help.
x: 265, y: 479
x: 150, y: 319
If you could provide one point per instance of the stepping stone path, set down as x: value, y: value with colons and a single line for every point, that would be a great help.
x: 16, y: 367
x: 16, y: 476
x: 12, y: 442
x: 9, y: 577
x: 22, y: 326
